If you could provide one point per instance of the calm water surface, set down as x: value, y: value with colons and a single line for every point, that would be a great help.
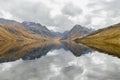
x: 55, y: 61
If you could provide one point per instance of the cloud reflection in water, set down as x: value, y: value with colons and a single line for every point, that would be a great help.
x: 63, y: 65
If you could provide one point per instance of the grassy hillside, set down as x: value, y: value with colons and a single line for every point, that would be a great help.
x: 105, y: 40
x: 17, y: 33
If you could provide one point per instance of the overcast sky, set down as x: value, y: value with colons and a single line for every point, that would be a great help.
x: 61, y: 15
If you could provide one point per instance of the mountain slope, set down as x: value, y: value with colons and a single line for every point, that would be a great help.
x: 76, y: 31
x: 38, y: 28
x: 105, y: 40
x: 12, y: 30
x: 59, y: 34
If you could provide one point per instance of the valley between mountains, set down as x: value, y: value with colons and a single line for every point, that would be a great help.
x: 105, y: 40
x: 11, y: 30
x: 16, y: 39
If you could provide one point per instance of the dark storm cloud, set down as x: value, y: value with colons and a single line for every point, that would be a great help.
x: 71, y: 10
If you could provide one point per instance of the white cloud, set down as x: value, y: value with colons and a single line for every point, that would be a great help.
x: 63, y: 14
x: 71, y: 10
x: 56, y: 65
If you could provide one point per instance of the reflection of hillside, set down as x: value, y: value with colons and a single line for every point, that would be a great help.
x: 76, y: 49
x: 11, y: 51
x: 105, y: 40
x: 14, y: 50
x: 39, y: 51
x: 107, y: 48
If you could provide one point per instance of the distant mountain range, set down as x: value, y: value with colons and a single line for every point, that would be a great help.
x: 76, y: 32
x: 38, y: 28
x: 59, y: 34
x: 42, y: 30
x: 16, y: 30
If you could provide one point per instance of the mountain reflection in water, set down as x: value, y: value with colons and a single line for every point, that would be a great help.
x: 56, y: 61
x: 11, y: 51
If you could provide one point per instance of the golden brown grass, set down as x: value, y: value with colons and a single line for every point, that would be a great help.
x: 105, y: 40
x: 17, y: 33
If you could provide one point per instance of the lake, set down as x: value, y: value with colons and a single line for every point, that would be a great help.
x: 55, y: 61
